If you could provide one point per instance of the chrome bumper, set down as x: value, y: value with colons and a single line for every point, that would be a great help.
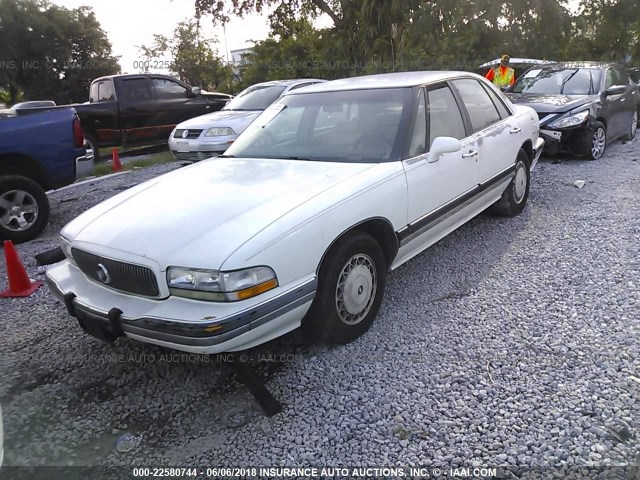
x: 108, y: 325
x: 537, y: 151
x: 84, y: 165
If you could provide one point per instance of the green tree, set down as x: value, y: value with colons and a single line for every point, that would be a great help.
x: 193, y: 59
x: 50, y: 52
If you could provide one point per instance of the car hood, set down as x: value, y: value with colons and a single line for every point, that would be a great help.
x: 238, y: 120
x: 199, y: 215
x: 550, y: 103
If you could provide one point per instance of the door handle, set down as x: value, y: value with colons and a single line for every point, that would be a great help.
x: 515, y: 130
x: 470, y: 153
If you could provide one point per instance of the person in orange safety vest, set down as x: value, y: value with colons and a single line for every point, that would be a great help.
x: 502, y: 75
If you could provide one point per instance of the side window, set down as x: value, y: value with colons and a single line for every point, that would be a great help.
x: 620, y: 77
x: 482, y: 111
x: 135, y: 89
x: 418, y: 144
x: 609, y: 80
x: 168, y: 89
x: 445, y: 119
x: 502, y: 110
x: 105, y: 92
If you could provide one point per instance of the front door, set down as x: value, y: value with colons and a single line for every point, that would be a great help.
x: 436, y: 190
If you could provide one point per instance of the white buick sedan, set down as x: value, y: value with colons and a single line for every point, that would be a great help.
x: 330, y: 189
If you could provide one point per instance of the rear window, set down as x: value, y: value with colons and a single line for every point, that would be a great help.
x: 102, y: 91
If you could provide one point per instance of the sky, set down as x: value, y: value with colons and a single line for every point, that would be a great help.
x: 129, y: 23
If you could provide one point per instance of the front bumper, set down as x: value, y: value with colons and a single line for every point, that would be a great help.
x: 537, y: 151
x: 200, y: 148
x: 179, y: 323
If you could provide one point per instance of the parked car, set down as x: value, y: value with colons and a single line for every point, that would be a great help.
x: 582, y: 106
x: 39, y: 151
x: 333, y: 186
x: 141, y: 109
x: 210, y: 135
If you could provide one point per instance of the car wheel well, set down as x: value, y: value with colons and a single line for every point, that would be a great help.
x: 602, y: 121
x: 381, y: 230
x: 25, y: 166
x: 528, y: 148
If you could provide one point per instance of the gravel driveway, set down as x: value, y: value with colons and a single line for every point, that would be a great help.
x: 511, y: 342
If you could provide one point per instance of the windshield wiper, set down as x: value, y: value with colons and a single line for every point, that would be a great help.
x: 226, y: 156
x: 569, y: 77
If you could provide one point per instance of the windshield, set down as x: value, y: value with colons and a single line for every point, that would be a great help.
x: 569, y: 81
x: 257, y: 97
x: 348, y: 126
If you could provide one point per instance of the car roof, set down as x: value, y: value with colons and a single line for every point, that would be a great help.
x: 286, y: 83
x: 385, y: 80
x: 579, y: 64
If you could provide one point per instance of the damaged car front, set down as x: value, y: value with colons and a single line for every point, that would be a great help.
x: 581, y: 107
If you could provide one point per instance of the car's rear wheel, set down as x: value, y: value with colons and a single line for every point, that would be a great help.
x: 598, y: 141
x: 351, y: 283
x: 515, y: 196
x: 633, y: 127
x: 24, y: 209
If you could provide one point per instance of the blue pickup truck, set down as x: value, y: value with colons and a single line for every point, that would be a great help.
x: 39, y: 151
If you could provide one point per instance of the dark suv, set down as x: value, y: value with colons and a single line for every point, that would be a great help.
x: 582, y: 106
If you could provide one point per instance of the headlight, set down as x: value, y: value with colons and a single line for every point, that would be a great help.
x: 219, y: 132
x: 218, y: 286
x: 65, y: 244
x: 571, y: 121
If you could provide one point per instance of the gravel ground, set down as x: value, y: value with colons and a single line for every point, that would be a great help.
x: 511, y: 342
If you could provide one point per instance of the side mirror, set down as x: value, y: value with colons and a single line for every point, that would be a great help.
x: 194, y: 92
x: 615, y: 90
x: 442, y: 145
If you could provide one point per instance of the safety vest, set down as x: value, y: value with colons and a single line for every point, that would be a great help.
x: 500, y: 78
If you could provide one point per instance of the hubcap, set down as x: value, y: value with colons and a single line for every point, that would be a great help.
x: 634, y: 124
x: 520, y: 182
x: 356, y: 289
x: 598, y: 141
x: 18, y: 210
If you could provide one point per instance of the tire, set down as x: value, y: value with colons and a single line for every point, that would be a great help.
x: 335, y: 317
x: 92, y: 143
x: 631, y: 132
x: 597, y: 142
x: 24, y: 209
x: 515, y: 196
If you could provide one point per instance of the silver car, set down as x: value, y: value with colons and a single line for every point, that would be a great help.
x: 211, y: 134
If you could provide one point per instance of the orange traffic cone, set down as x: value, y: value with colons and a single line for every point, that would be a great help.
x: 116, y: 165
x: 20, y: 285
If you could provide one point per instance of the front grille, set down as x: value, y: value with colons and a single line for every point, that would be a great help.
x: 123, y: 276
x: 190, y: 133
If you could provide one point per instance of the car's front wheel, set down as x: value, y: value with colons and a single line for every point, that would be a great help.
x: 24, y: 209
x: 351, y: 283
x: 598, y: 141
x: 514, y: 198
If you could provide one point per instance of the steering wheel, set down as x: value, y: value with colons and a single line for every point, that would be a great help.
x: 375, y: 142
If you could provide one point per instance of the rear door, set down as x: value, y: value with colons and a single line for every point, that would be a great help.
x: 138, y: 112
x: 494, y: 129
x: 437, y: 189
